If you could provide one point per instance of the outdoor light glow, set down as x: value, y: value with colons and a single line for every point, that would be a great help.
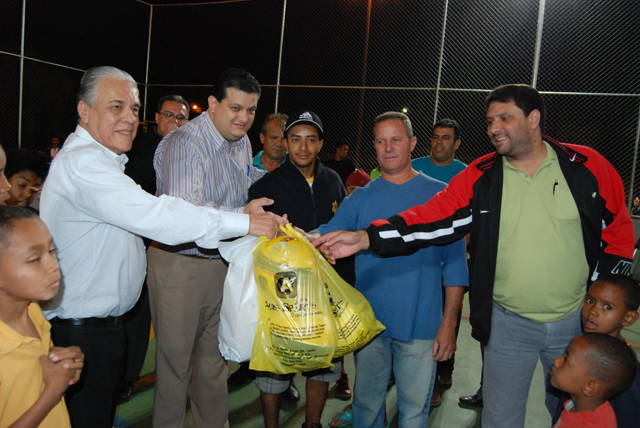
x: 404, y: 110
x: 195, y: 106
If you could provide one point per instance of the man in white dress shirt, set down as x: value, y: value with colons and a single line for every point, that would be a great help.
x: 96, y: 215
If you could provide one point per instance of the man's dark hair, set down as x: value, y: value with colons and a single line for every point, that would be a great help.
x: 448, y: 123
x: 9, y: 215
x: 395, y: 115
x: 341, y: 143
x: 268, y: 119
x: 628, y: 286
x: 526, y: 98
x: 611, y: 361
x: 235, y: 78
x: 26, y: 160
x: 175, y: 98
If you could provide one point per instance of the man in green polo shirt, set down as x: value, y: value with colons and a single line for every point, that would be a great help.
x: 271, y: 137
x: 545, y: 219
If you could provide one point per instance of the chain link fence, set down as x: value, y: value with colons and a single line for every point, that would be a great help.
x: 346, y: 60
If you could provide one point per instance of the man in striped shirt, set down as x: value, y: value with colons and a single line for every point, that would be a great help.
x: 206, y: 162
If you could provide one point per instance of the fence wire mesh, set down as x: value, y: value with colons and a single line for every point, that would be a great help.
x: 590, y: 46
x: 489, y: 43
x: 347, y: 61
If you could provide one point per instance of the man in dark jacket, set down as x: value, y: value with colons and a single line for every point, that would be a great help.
x: 173, y: 112
x: 545, y: 219
x: 340, y: 163
x: 308, y: 193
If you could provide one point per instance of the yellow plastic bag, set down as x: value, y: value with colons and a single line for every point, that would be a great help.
x: 308, y: 315
x: 296, y: 329
x: 355, y: 321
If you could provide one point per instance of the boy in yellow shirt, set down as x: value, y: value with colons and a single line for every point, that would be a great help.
x: 33, y: 374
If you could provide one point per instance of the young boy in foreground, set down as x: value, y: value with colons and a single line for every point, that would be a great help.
x: 610, y: 305
x: 594, y: 368
x: 33, y: 374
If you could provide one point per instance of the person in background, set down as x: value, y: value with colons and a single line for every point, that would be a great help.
x: 356, y: 180
x: 26, y: 171
x: 340, y: 163
x: 4, y: 183
x: 271, y: 137
x: 54, y: 147
x: 172, y: 113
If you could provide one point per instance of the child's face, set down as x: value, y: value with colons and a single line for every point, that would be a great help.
x: 4, y: 183
x: 24, y: 188
x: 351, y: 189
x: 570, y: 373
x: 604, y: 311
x: 29, y: 267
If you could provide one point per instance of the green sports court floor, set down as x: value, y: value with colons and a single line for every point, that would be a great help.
x: 245, y: 410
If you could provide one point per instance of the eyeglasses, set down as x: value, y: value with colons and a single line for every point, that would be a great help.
x: 181, y: 118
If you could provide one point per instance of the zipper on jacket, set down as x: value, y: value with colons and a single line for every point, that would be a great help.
x: 313, y: 206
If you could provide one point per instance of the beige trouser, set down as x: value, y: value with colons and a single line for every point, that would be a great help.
x: 186, y: 295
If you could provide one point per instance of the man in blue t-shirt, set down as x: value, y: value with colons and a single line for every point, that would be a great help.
x: 441, y: 164
x: 404, y: 292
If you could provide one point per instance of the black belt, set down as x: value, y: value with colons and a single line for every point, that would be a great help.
x: 211, y: 254
x: 93, y: 321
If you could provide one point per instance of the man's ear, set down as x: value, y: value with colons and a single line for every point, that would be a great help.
x: 213, y: 103
x: 592, y: 388
x: 456, y: 145
x: 413, y: 141
x: 534, y: 119
x: 320, y: 143
x: 83, y: 112
x: 630, y: 318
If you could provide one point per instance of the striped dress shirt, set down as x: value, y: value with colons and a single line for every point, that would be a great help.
x: 194, y: 163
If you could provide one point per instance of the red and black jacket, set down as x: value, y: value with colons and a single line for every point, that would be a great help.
x: 472, y: 202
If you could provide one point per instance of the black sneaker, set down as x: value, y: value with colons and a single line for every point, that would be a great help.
x: 292, y: 393
x: 125, y: 392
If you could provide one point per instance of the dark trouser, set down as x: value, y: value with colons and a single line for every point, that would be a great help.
x: 137, y: 325
x: 91, y: 402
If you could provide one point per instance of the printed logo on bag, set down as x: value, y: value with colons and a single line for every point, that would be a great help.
x: 286, y: 285
x: 306, y: 115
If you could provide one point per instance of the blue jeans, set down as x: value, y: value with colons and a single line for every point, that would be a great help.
x: 414, y: 369
x: 510, y: 358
